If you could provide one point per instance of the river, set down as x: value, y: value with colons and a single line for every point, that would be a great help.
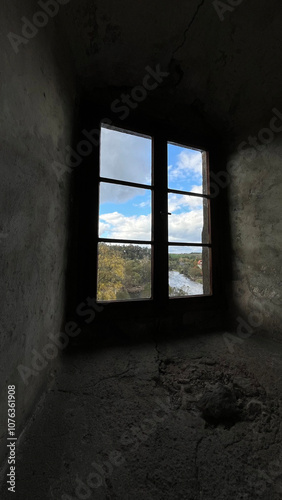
x: 180, y: 282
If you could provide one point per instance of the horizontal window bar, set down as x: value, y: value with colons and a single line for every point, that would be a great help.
x: 126, y: 131
x: 199, y: 195
x: 135, y: 242
x: 124, y: 301
x: 126, y: 183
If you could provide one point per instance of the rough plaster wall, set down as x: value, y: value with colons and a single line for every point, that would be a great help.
x: 37, y: 103
x: 255, y: 192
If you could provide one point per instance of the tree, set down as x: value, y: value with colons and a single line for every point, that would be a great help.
x: 110, y: 273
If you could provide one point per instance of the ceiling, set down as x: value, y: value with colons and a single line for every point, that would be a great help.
x: 225, y: 75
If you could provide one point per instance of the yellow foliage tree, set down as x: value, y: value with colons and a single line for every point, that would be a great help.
x: 110, y: 273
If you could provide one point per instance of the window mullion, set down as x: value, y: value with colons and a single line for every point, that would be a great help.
x: 160, y: 226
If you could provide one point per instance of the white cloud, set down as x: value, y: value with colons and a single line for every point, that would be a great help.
x: 189, y: 164
x: 116, y: 193
x: 184, y: 202
x: 103, y: 227
x: 126, y: 228
x: 182, y: 227
x: 196, y: 189
x: 186, y: 227
x: 125, y: 156
x: 143, y: 204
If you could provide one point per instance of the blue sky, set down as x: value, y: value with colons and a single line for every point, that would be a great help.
x: 125, y: 212
x: 129, y: 200
x: 184, y: 169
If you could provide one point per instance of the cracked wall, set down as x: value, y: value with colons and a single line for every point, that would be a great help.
x: 217, y: 67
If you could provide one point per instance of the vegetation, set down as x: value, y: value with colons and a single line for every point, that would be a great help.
x: 124, y: 271
x: 176, y: 292
x: 110, y: 273
x: 187, y: 264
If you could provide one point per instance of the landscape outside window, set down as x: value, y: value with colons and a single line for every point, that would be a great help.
x: 125, y: 243
x: 188, y: 222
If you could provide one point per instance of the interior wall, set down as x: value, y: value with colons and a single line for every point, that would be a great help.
x: 37, y: 91
x: 255, y: 194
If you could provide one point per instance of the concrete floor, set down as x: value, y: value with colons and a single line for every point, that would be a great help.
x: 124, y: 423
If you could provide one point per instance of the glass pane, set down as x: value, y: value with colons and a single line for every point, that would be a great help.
x: 124, y: 272
x: 189, y: 271
x: 124, y: 212
x: 125, y: 156
x: 189, y: 219
x: 187, y: 169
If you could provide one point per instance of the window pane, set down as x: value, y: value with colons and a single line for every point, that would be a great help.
x: 189, y: 219
x: 189, y: 271
x: 187, y: 170
x: 124, y: 272
x: 125, y: 156
x: 124, y: 212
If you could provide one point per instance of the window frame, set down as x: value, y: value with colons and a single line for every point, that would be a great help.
x: 87, y: 189
x: 159, y: 235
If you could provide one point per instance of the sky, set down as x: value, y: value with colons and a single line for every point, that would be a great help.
x: 125, y: 211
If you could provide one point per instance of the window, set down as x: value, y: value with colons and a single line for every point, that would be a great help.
x: 189, y: 222
x: 153, y: 236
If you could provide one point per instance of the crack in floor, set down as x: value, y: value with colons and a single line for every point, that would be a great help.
x: 158, y: 358
x: 198, y: 485
x: 117, y: 375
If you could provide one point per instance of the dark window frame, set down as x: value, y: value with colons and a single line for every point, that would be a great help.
x: 159, y: 237
x: 87, y: 180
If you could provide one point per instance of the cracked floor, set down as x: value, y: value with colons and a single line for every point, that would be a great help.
x: 146, y: 423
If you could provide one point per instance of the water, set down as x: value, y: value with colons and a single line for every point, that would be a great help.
x: 180, y: 282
